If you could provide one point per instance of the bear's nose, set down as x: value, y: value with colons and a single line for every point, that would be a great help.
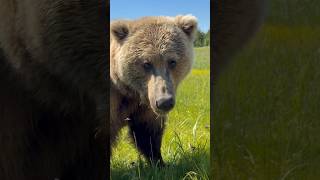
x: 165, y: 103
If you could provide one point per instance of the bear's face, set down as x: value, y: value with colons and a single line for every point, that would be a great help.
x: 151, y: 56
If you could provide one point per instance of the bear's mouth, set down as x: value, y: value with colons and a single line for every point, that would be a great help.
x: 159, y: 112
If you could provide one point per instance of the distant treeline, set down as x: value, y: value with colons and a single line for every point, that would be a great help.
x: 202, y: 39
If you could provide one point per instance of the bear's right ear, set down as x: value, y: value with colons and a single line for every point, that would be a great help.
x: 188, y: 25
x: 119, y: 30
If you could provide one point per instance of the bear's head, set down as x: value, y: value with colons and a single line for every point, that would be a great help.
x: 150, y: 57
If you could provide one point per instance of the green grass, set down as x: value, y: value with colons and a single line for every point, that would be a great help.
x: 293, y: 12
x: 186, y: 143
x: 267, y: 108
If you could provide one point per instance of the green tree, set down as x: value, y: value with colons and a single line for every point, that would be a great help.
x: 200, y: 39
x: 207, y: 38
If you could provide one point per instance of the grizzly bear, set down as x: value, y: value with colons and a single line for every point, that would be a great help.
x: 149, y: 57
x: 234, y: 23
x: 53, y: 90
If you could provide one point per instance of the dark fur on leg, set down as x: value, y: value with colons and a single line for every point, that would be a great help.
x: 89, y: 166
x: 146, y: 131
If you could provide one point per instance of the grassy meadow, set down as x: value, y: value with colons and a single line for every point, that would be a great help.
x: 267, y: 102
x: 186, y: 142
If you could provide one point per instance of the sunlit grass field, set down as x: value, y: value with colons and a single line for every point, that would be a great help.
x: 267, y: 108
x: 186, y: 143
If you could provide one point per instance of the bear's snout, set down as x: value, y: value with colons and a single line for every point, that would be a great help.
x: 165, y: 103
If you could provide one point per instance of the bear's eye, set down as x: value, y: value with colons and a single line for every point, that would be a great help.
x: 147, y: 66
x: 172, y: 63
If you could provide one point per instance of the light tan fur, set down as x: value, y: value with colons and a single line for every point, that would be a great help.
x: 153, y: 40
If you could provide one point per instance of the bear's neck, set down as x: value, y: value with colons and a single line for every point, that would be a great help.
x: 123, y: 89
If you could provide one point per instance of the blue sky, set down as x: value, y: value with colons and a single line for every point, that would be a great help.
x: 126, y: 9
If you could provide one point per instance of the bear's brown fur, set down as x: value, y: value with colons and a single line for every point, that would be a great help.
x: 53, y: 90
x: 148, y: 59
x: 234, y: 23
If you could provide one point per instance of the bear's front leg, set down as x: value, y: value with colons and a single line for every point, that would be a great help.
x: 91, y: 165
x: 146, y: 130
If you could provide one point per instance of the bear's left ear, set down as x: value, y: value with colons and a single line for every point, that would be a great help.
x: 119, y: 30
x: 188, y: 24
